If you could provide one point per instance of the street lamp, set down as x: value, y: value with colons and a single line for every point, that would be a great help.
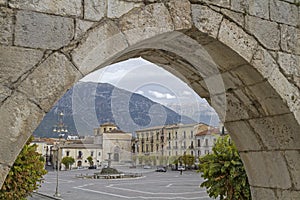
x: 60, y: 129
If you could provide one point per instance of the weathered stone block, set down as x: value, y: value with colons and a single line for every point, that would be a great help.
x: 233, y: 109
x: 273, y: 167
x: 81, y: 27
x: 4, y: 169
x: 50, y: 80
x: 220, y: 54
x: 243, y: 136
x: 221, y: 3
x: 290, y: 39
x: 265, y: 31
x: 4, y: 92
x: 16, y: 61
x: 284, y: 12
x: 3, y: 2
x: 38, y: 30
x: 288, y: 92
x: 145, y: 23
x: 94, y: 9
x: 6, y: 26
x: 101, y: 44
x: 200, y: 89
x: 235, y: 16
x: 206, y: 20
x: 288, y: 195
x: 259, y: 8
x: 278, y: 135
x: 247, y: 74
x: 251, y: 105
x: 289, y: 63
x: 58, y: 7
x: 293, y: 159
x: 263, y: 193
x: 240, y: 5
x: 233, y: 36
x: 231, y: 81
x: 267, y: 99
x: 264, y: 62
x: 180, y: 12
x: 117, y: 8
x: 17, y: 123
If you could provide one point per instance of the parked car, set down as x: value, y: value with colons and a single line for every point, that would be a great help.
x: 181, y: 168
x: 161, y: 169
x: 147, y: 167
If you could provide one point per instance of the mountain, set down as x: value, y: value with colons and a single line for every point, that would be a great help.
x: 198, y: 111
x: 88, y: 104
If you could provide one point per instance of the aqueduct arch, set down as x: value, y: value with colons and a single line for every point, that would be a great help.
x: 243, y: 56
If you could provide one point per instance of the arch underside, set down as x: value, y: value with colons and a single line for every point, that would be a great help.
x: 220, y: 61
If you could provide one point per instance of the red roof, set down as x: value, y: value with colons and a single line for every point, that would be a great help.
x: 208, y: 132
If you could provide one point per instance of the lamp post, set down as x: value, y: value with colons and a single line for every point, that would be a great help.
x: 60, y: 129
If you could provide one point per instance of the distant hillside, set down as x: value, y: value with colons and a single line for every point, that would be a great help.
x: 87, y: 105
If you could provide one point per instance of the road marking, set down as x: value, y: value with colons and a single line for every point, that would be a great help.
x: 152, y: 193
x: 137, y: 197
x: 99, y: 192
x: 169, y: 185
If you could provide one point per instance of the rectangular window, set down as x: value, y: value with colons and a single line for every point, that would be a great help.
x: 206, y: 142
x: 92, y: 153
x: 192, y: 134
x: 199, y: 143
x: 68, y: 153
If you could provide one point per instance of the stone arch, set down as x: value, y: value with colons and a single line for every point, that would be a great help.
x: 227, y: 52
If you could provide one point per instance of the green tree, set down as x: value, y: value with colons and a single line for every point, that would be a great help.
x: 140, y: 159
x: 25, y: 175
x: 68, y: 161
x: 224, y: 172
x: 187, y: 160
x: 90, y: 160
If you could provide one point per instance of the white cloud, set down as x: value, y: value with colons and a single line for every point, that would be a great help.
x: 160, y: 95
x: 140, y: 92
x: 187, y: 92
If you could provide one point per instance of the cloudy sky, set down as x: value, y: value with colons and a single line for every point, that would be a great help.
x: 145, y: 78
x: 140, y: 76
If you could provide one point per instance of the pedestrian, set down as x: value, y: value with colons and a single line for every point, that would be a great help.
x: 180, y: 171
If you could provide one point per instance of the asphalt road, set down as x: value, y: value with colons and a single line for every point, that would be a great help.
x: 152, y: 186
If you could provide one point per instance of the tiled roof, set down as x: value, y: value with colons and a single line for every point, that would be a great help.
x: 208, y: 132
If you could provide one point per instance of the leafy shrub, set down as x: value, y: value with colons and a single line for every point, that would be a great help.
x: 224, y: 172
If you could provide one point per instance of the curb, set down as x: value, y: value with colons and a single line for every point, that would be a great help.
x: 46, y: 195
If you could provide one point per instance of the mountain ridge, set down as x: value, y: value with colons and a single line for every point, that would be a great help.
x: 88, y: 104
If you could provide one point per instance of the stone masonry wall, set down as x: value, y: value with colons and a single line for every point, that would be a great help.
x: 250, y: 48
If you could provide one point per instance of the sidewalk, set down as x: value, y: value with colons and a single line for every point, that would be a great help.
x: 40, y: 196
